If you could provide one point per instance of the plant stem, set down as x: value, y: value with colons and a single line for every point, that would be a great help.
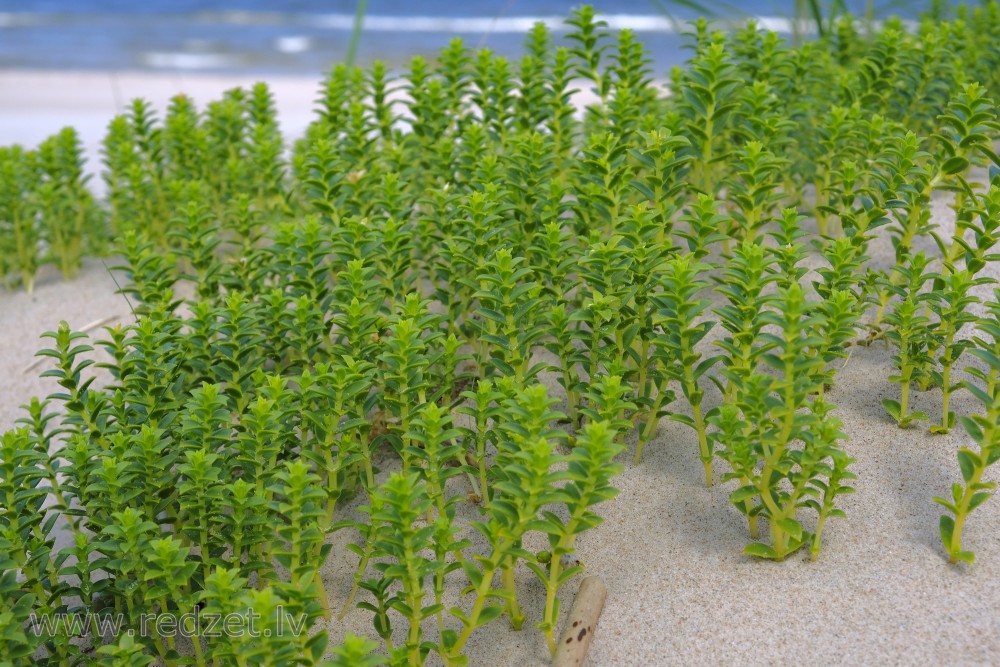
x: 961, y: 512
x: 324, y: 599
x: 513, y: 608
x: 555, y: 569
x: 945, y: 397
x: 643, y: 364
x: 779, y: 537
x: 477, y: 608
x: 706, y: 455
x: 198, y: 655
x: 817, y: 542
x: 972, y: 487
x: 699, y: 419
x: 821, y: 215
x: 595, y: 357
x: 359, y: 573
x: 883, y: 301
x: 481, y: 460
x: 904, y: 399
x: 652, y: 422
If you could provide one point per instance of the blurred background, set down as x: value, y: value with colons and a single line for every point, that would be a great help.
x: 306, y: 36
x: 79, y: 62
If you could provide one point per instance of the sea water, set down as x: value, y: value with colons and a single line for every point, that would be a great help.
x: 307, y: 36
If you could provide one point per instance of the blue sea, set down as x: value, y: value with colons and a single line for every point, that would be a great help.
x: 307, y: 36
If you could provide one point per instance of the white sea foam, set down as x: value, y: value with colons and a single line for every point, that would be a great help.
x: 235, y: 17
x: 447, y: 24
x: 18, y: 19
x: 293, y: 44
x: 523, y: 24
x: 647, y: 23
x: 191, y: 61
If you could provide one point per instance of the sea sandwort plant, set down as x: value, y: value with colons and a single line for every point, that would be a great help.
x: 422, y: 341
x: 973, y: 491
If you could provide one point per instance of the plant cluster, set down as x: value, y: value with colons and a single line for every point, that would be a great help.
x: 47, y: 214
x: 434, y: 324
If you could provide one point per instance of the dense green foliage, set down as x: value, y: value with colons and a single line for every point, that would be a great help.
x: 47, y: 214
x: 375, y: 320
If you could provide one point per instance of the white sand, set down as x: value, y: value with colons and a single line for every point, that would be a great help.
x: 24, y: 317
x: 680, y: 593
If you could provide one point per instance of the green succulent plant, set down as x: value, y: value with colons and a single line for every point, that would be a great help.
x: 435, y: 321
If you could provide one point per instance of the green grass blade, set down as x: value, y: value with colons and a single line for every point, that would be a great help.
x: 356, y: 30
x: 712, y: 10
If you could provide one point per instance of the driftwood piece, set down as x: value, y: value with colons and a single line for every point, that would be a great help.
x: 581, y: 624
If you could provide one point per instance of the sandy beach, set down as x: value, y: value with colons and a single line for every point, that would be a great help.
x: 680, y: 593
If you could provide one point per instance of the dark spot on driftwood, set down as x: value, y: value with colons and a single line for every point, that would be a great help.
x: 583, y: 632
x: 576, y: 623
x: 569, y: 640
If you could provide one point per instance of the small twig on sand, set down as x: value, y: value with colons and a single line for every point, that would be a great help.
x: 582, y: 622
x: 847, y: 360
